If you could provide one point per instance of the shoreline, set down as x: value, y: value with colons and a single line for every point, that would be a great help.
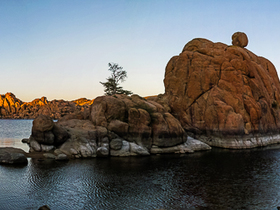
x: 241, y: 142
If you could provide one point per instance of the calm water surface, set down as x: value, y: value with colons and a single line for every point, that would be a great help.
x: 13, y: 131
x: 217, y: 179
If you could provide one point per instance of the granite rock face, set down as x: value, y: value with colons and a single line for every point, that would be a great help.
x: 219, y: 91
x: 137, y: 120
x: 45, y: 134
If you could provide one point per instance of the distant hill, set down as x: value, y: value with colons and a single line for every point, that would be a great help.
x: 13, y: 108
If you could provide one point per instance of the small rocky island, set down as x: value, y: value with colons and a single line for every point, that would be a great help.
x: 215, y: 95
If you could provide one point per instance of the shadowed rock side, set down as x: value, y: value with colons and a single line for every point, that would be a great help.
x: 224, y: 95
x: 13, y: 108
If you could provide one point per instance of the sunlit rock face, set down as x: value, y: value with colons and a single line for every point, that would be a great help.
x: 12, y: 107
x: 218, y: 90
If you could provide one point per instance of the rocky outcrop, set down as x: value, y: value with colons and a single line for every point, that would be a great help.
x: 12, y: 107
x: 46, y: 135
x: 215, y: 95
x: 118, y: 126
x: 224, y: 95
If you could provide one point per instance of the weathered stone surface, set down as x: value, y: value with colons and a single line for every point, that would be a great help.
x: 102, y: 152
x: 196, y: 145
x: 135, y: 149
x: 49, y: 156
x: 46, y: 138
x: 43, y: 123
x: 12, y: 156
x: 241, y: 142
x: 116, y: 144
x: 62, y: 157
x: 124, y: 151
x: 182, y: 148
x: 60, y: 134
x: 34, y: 146
x: 46, y: 148
x: 106, y: 109
x: 222, y: 91
x: 137, y: 120
x: 239, y: 39
x: 162, y: 126
x: 83, y: 138
x: 118, y: 127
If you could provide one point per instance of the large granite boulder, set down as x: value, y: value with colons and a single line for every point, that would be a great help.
x: 46, y: 134
x: 239, y: 39
x: 224, y: 95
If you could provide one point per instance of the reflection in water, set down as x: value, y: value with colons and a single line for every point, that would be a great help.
x: 218, y: 179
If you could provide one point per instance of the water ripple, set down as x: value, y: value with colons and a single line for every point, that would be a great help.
x: 212, y: 180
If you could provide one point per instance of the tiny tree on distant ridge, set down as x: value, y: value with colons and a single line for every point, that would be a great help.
x: 111, y: 87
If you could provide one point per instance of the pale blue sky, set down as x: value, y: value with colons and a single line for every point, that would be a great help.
x: 61, y: 48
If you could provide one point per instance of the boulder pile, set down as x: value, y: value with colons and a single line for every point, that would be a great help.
x: 118, y: 126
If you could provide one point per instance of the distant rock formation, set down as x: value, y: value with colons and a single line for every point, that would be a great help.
x: 220, y: 92
x: 13, y: 108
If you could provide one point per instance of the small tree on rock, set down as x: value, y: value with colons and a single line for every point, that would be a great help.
x: 111, y: 87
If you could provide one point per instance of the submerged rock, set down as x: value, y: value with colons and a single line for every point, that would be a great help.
x: 10, y: 155
x: 45, y: 207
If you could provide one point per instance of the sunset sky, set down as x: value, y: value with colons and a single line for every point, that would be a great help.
x: 61, y: 48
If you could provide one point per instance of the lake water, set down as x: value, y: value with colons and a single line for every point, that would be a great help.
x: 13, y: 131
x: 217, y: 179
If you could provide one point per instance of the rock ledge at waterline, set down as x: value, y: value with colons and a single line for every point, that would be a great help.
x: 221, y: 95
